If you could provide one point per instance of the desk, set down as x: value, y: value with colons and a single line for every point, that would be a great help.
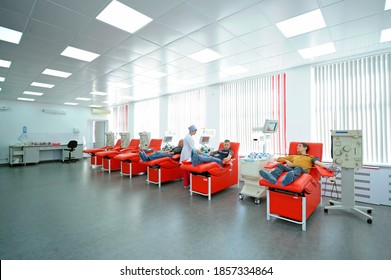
x: 36, y: 154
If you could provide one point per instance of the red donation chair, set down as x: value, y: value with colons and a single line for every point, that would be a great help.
x: 97, y: 161
x: 210, y: 177
x: 297, y: 201
x: 130, y: 161
x: 109, y: 163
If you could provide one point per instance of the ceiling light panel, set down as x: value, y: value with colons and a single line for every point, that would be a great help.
x: 98, y: 93
x: 36, y: 84
x: 205, y: 56
x: 56, y: 73
x: 5, y: 63
x: 388, y: 5
x: 79, y: 54
x: 83, y: 98
x: 385, y: 35
x: 25, y: 99
x: 317, y: 50
x: 123, y: 17
x: 10, y: 35
x: 33, y: 93
x: 302, y: 24
x: 2, y: 79
x: 71, y: 103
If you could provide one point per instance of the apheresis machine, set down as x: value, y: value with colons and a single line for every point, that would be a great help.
x: 250, y: 165
x: 347, y: 153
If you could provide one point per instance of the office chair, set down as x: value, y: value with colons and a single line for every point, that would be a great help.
x: 71, y: 147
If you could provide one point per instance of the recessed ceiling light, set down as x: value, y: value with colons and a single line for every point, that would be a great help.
x: 71, y: 103
x: 234, y: 70
x: 25, y: 99
x: 123, y: 17
x: 56, y: 73
x: 83, y: 98
x: 36, y: 84
x: 10, y: 35
x: 33, y: 93
x: 205, y: 56
x: 302, y: 24
x: 5, y: 63
x: 98, y: 93
x: 317, y: 50
x: 95, y: 106
x: 2, y: 79
x: 79, y: 54
x: 385, y: 35
x: 388, y: 5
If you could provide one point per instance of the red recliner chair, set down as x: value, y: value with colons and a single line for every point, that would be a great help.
x: 130, y: 161
x: 162, y: 170
x: 210, y: 177
x: 297, y: 201
x: 109, y: 163
x: 96, y: 161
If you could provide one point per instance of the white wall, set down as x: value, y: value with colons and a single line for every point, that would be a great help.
x: 40, y: 125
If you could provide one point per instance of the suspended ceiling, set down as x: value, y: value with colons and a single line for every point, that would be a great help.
x: 243, y: 32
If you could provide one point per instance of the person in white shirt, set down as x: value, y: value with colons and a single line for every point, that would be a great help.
x: 188, y: 146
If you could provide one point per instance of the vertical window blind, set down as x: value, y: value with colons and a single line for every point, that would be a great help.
x: 119, y: 120
x: 354, y: 94
x: 246, y: 104
x: 186, y: 109
x: 146, y: 117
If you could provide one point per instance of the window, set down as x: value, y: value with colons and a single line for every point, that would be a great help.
x: 146, y: 117
x: 354, y: 94
x: 185, y: 109
x: 246, y: 104
x: 119, y: 120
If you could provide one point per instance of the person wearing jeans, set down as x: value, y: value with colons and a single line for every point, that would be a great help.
x: 220, y: 156
x: 295, y: 165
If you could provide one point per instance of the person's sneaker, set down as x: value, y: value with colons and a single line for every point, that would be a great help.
x: 143, y: 156
x: 268, y: 176
x: 288, y: 178
x: 194, y: 158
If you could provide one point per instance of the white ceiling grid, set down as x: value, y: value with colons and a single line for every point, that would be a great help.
x: 154, y: 60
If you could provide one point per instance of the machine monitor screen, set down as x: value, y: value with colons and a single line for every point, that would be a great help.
x: 167, y: 139
x: 270, y: 126
x: 204, y: 140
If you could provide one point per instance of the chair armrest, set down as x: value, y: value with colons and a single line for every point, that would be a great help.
x: 176, y: 156
x: 324, y: 172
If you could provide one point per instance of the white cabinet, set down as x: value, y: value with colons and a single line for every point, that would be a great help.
x: 31, y: 154
x: 35, y: 154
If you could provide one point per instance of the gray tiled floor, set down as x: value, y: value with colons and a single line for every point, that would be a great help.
x: 71, y: 211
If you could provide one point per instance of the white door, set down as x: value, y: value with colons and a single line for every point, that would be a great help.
x: 99, y: 130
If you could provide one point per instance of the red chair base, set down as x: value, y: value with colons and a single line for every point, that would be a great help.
x: 111, y: 164
x: 203, y: 185
x: 132, y: 168
x: 95, y: 161
x: 162, y: 175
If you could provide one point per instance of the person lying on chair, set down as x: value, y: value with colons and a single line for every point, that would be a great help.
x: 220, y: 156
x: 295, y: 165
x: 161, y: 154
